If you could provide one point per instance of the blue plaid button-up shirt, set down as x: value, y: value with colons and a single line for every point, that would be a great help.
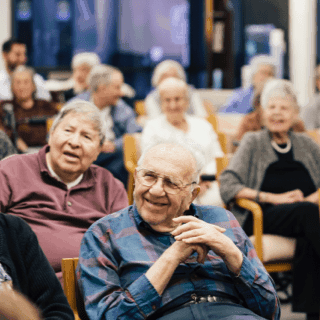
x: 117, y: 251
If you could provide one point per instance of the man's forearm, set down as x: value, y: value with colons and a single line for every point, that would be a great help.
x: 161, y: 271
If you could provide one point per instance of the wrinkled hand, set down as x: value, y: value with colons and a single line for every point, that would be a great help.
x: 196, y: 231
x: 181, y: 251
x: 108, y: 147
x: 287, y: 197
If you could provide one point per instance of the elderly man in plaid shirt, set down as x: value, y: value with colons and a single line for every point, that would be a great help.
x: 166, y: 258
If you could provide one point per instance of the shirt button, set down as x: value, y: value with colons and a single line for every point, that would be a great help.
x: 69, y: 203
x: 154, y: 307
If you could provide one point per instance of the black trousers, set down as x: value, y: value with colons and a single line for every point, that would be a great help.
x: 301, y: 221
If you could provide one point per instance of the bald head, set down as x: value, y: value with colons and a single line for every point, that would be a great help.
x: 175, y: 155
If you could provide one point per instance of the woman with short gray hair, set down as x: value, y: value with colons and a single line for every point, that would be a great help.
x: 167, y: 69
x: 280, y: 169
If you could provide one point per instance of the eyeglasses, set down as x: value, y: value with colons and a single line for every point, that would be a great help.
x: 170, y: 185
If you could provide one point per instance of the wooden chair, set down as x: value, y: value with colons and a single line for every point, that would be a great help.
x: 71, y: 289
x: 212, y: 118
x: 131, y: 154
x: 276, y: 252
x: 139, y: 107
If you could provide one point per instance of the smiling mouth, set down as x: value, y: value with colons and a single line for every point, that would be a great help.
x: 159, y: 204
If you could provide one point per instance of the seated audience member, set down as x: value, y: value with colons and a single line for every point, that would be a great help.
x: 175, y: 125
x: 280, y: 169
x: 58, y: 191
x: 24, y: 117
x: 253, y: 121
x: 105, y: 83
x: 14, y: 53
x: 311, y: 112
x: 81, y: 64
x: 166, y: 258
x: 25, y: 269
x: 6, y: 146
x: 168, y: 69
x: 262, y: 68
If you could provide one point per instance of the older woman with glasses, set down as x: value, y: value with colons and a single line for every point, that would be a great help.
x: 280, y: 169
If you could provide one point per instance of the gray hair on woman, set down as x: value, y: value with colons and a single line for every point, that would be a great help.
x: 101, y: 74
x: 163, y: 67
x: 278, y: 88
x: 89, y: 58
x: 172, y: 83
x: 83, y: 107
x: 191, y: 148
x: 21, y: 69
x: 264, y: 60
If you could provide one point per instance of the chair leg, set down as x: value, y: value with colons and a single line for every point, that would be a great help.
x: 283, y: 282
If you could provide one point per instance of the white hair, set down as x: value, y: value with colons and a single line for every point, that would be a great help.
x: 278, y: 88
x: 172, y: 83
x: 21, y: 69
x: 163, y: 67
x: 196, y: 153
x: 101, y: 74
x: 83, y: 107
x: 89, y: 58
x: 260, y: 60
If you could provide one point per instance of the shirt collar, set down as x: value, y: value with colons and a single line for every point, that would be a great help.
x: 69, y: 184
x: 87, y: 180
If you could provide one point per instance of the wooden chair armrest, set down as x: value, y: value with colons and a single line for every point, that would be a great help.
x: 257, y: 222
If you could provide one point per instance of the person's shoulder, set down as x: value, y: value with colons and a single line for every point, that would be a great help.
x: 151, y: 123
x: 304, y: 139
x: 117, y: 221
x: 17, y: 162
x: 16, y: 225
x: 217, y: 215
x: 253, y: 136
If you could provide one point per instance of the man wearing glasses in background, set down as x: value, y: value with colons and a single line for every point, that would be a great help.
x: 165, y: 258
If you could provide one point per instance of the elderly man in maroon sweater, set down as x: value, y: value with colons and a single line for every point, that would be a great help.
x: 58, y: 191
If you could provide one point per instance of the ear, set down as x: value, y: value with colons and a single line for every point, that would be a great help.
x: 195, y: 192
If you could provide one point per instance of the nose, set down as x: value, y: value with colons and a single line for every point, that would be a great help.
x: 157, y: 189
x: 74, y: 140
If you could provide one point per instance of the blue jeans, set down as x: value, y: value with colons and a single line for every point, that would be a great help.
x: 212, y: 310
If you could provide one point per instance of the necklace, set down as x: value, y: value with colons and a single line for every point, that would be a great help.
x: 281, y: 150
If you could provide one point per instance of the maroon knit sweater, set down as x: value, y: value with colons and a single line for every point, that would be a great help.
x: 58, y: 216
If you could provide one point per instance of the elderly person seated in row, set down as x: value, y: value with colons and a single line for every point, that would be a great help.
x: 24, y: 118
x: 29, y: 288
x: 105, y: 83
x: 166, y: 258
x: 167, y: 69
x: 280, y: 169
x: 242, y: 100
x: 253, y: 121
x: 176, y: 125
x: 81, y: 64
x: 14, y: 54
x: 58, y: 191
